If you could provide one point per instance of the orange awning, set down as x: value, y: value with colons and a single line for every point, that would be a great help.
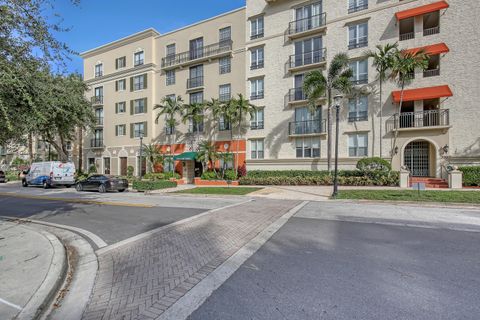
x: 431, y: 50
x: 423, y: 93
x: 418, y: 11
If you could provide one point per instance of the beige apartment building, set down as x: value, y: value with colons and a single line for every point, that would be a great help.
x: 264, y: 51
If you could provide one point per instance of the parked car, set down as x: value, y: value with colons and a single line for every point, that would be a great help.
x: 48, y: 174
x: 102, y: 183
x: 3, y: 178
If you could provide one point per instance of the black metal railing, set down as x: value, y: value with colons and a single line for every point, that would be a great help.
x: 194, y: 82
x: 138, y: 63
x: 202, y: 52
x: 308, y: 58
x: 99, y: 121
x: 256, y: 65
x: 307, y: 127
x: 307, y: 24
x: 362, y: 79
x: 224, y: 126
x: 356, y: 8
x: 96, y: 143
x: 358, y: 43
x: 358, y: 116
x: 431, y: 73
x: 296, y: 94
x: 430, y: 31
x: 256, y: 125
x: 96, y: 100
x: 98, y: 74
x: 407, y: 36
x: 257, y: 95
x: 257, y: 34
x: 419, y: 119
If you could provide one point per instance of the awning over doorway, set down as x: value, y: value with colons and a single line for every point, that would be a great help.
x: 418, y: 11
x: 431, y: 50
x: 422, y: 93
x: 190, y: 155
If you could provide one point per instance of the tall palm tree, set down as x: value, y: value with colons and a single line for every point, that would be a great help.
x: 170, y: 108
x: 195, y: 113
x: 383, y: 58
x: 317, y: 86
x: 207, y: 154
x: 215, y: 107
x: 239, y: 108
x: 153, y: 155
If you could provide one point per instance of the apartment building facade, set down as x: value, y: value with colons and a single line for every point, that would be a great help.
x: 264, y: 51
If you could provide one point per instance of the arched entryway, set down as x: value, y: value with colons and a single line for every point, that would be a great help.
x: 419, y: 157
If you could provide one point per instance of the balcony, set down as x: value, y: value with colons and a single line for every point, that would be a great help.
x: 358, y: 116
x: 298, y: 96
x: 407, y: 36
x: 209, y: 52
x: 256, y: 65
x: 257, y: 95
x: 357, y: 8
x: 358, y: 43
x: 430, y: 31
x: 306, y: 26
x: 194, y: 83
x: 97, y: 100
x: 307, y: 128
x: 96, y: 143
x: 421, y: 120
x: 361, y: 79
x: 98, y: 121
x: 431, y: 73
x: 256, y: 125
x: 307, y: 60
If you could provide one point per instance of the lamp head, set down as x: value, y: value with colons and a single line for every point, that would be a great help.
x: 338, y: 99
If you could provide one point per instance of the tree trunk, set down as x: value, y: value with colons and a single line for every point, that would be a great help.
x: 329, y: 130
x: 381, y: 119
x: 235, y: 159
x: 30, y: 147
x: 80, y: 149
x: 396, y: 131
x: 62, y: 156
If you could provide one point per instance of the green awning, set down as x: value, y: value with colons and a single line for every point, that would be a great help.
x: 190, y: 155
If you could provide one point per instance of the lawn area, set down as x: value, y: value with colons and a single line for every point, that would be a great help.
x: 220, y: 190
x: 412, y: 195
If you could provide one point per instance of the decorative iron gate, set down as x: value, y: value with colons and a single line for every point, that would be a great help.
x: 417, y: 158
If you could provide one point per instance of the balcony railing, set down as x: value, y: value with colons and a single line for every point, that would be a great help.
x: 307, y: 127
x: 99, y: 121
x: 357, y: 8
x: 98, y: 74
x: 257, y: 95
x: 308, y: 58
x: 420, y: 119
x: 224, y: 97
x: 96, y: 143
x: 307, y: 24
x: 258, y: 34
x: 358, y: 116
x: 169, y: 130
x: 358, y: 43
x: 224, y: 126
x: 407, y: 36
x: 256, y: 65
x: 203, y: 52
x: 194, y: 128
x: 431, y: 73
x: 296, y: 94
x: 256, y: 125
x: 430, y: 31
x: 97, y: 100
x: 194, y: 82
x: 362, y: 79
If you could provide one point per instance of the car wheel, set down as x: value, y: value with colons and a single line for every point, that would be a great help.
x: 79, y: 187
x: 121, y: 190
x: 102, y: 189
x: 45, y: 185
x: 24, y: 183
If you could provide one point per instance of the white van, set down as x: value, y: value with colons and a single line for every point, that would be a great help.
x: 48, y: 174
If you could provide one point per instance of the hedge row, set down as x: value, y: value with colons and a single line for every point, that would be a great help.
x: 471, y: 175
x: 153, y: 185
x: 228, y: 175
x: 161, y: 176
x: 346, y: 178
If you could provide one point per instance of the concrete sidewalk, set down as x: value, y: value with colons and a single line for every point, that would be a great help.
x: 32, y: 264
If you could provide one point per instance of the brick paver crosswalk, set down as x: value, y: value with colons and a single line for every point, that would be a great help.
x: 140, y: 280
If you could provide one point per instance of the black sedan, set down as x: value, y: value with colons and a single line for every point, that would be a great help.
x: 3, y: 178
x: 102, y: 183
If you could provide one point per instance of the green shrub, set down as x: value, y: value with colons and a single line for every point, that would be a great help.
x: 227, y: 175
x: 471, y: 175
x: 230, y: 175
x: 130, y: 170
x: 12, y: 176
x: 209, y: 175
x: 373, y: 164
x: 161, y: 176
x: 92, y: 169
x: 142, y: 185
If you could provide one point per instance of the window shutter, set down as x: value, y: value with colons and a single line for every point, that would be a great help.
x: 145, y: 105
x: 145, y: 129
x: 131, y: 130
x: 116, y: 107
x: 116, y: 85
x: 116, y: 63
x: 131, y: 84
x: 116, y: 131
x: 145, y: 76
x: 131, y: 107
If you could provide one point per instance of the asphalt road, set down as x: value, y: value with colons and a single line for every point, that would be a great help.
x: 319, y: 269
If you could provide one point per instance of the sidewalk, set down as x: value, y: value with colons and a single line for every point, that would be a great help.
x: 32, y: 265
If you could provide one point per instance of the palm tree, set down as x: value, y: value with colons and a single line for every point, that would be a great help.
x: 317, y: 86
x: 216, y: 107
x: 153, y: 155
x: 194, y: 112
x: 383, y: 58
x: 169, y: 107
x: 238, y: 109
x: 207, y: 154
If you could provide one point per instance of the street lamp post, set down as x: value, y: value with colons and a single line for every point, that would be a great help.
x: 338, y: 99
x: 141, y: 157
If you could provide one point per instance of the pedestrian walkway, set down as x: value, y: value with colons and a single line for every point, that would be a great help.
x: 140, y: 280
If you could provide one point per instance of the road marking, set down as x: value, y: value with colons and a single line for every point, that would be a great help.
x: 72, y: 200
x: 10, y: 304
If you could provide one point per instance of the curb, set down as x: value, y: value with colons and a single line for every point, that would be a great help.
x: 40, y: 300
x: 449, y: 205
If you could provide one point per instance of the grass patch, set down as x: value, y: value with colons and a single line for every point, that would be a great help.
x: 412, y: 195
x: 220, y: 190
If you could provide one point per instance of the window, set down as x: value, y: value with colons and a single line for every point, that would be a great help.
x: 256, y: 89
x: 225, y: 92
x: 358, y: 145
x: 120, y: 62
x: 168, y: 164
x: 98, y: 92
x: 195, y: 126
x: 120, y: 85
x: 357, y: 5
x: 308, y: 17
x: 226, y: 165
x: 196, y: 77
x: 406, y: 29
x: 170, y: 52
x: 138, y: 58
x: 307, y: 52
x: 138, y: 129
x: 358, y: 109
x: 98, y: 70
x: 120, y: 130
x: 196, y: 48
x: 170, y: 77
x: 225, y: 64
x: 99, y: 117
x: 306, y: 121
x: 196, y: 97
x: 225, y: 36
x: 433, y: 66
x: 139, y: 82
x: 358, y: 35
x: 256, y: 28
x: 223, y: 123
x: 308, y: 147
x: 360, y: 71
x: 256, y: 149
x: 171, y: 97
x: 257, y: 121
x: 431, y: 23
x: 256, y: 58
x: 120, y: 107
x: 139, y: 106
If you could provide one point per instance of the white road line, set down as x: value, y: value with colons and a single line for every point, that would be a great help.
x: 10, y: 304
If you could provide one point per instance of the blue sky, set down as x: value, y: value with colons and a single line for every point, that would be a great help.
x: 96, y: 22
